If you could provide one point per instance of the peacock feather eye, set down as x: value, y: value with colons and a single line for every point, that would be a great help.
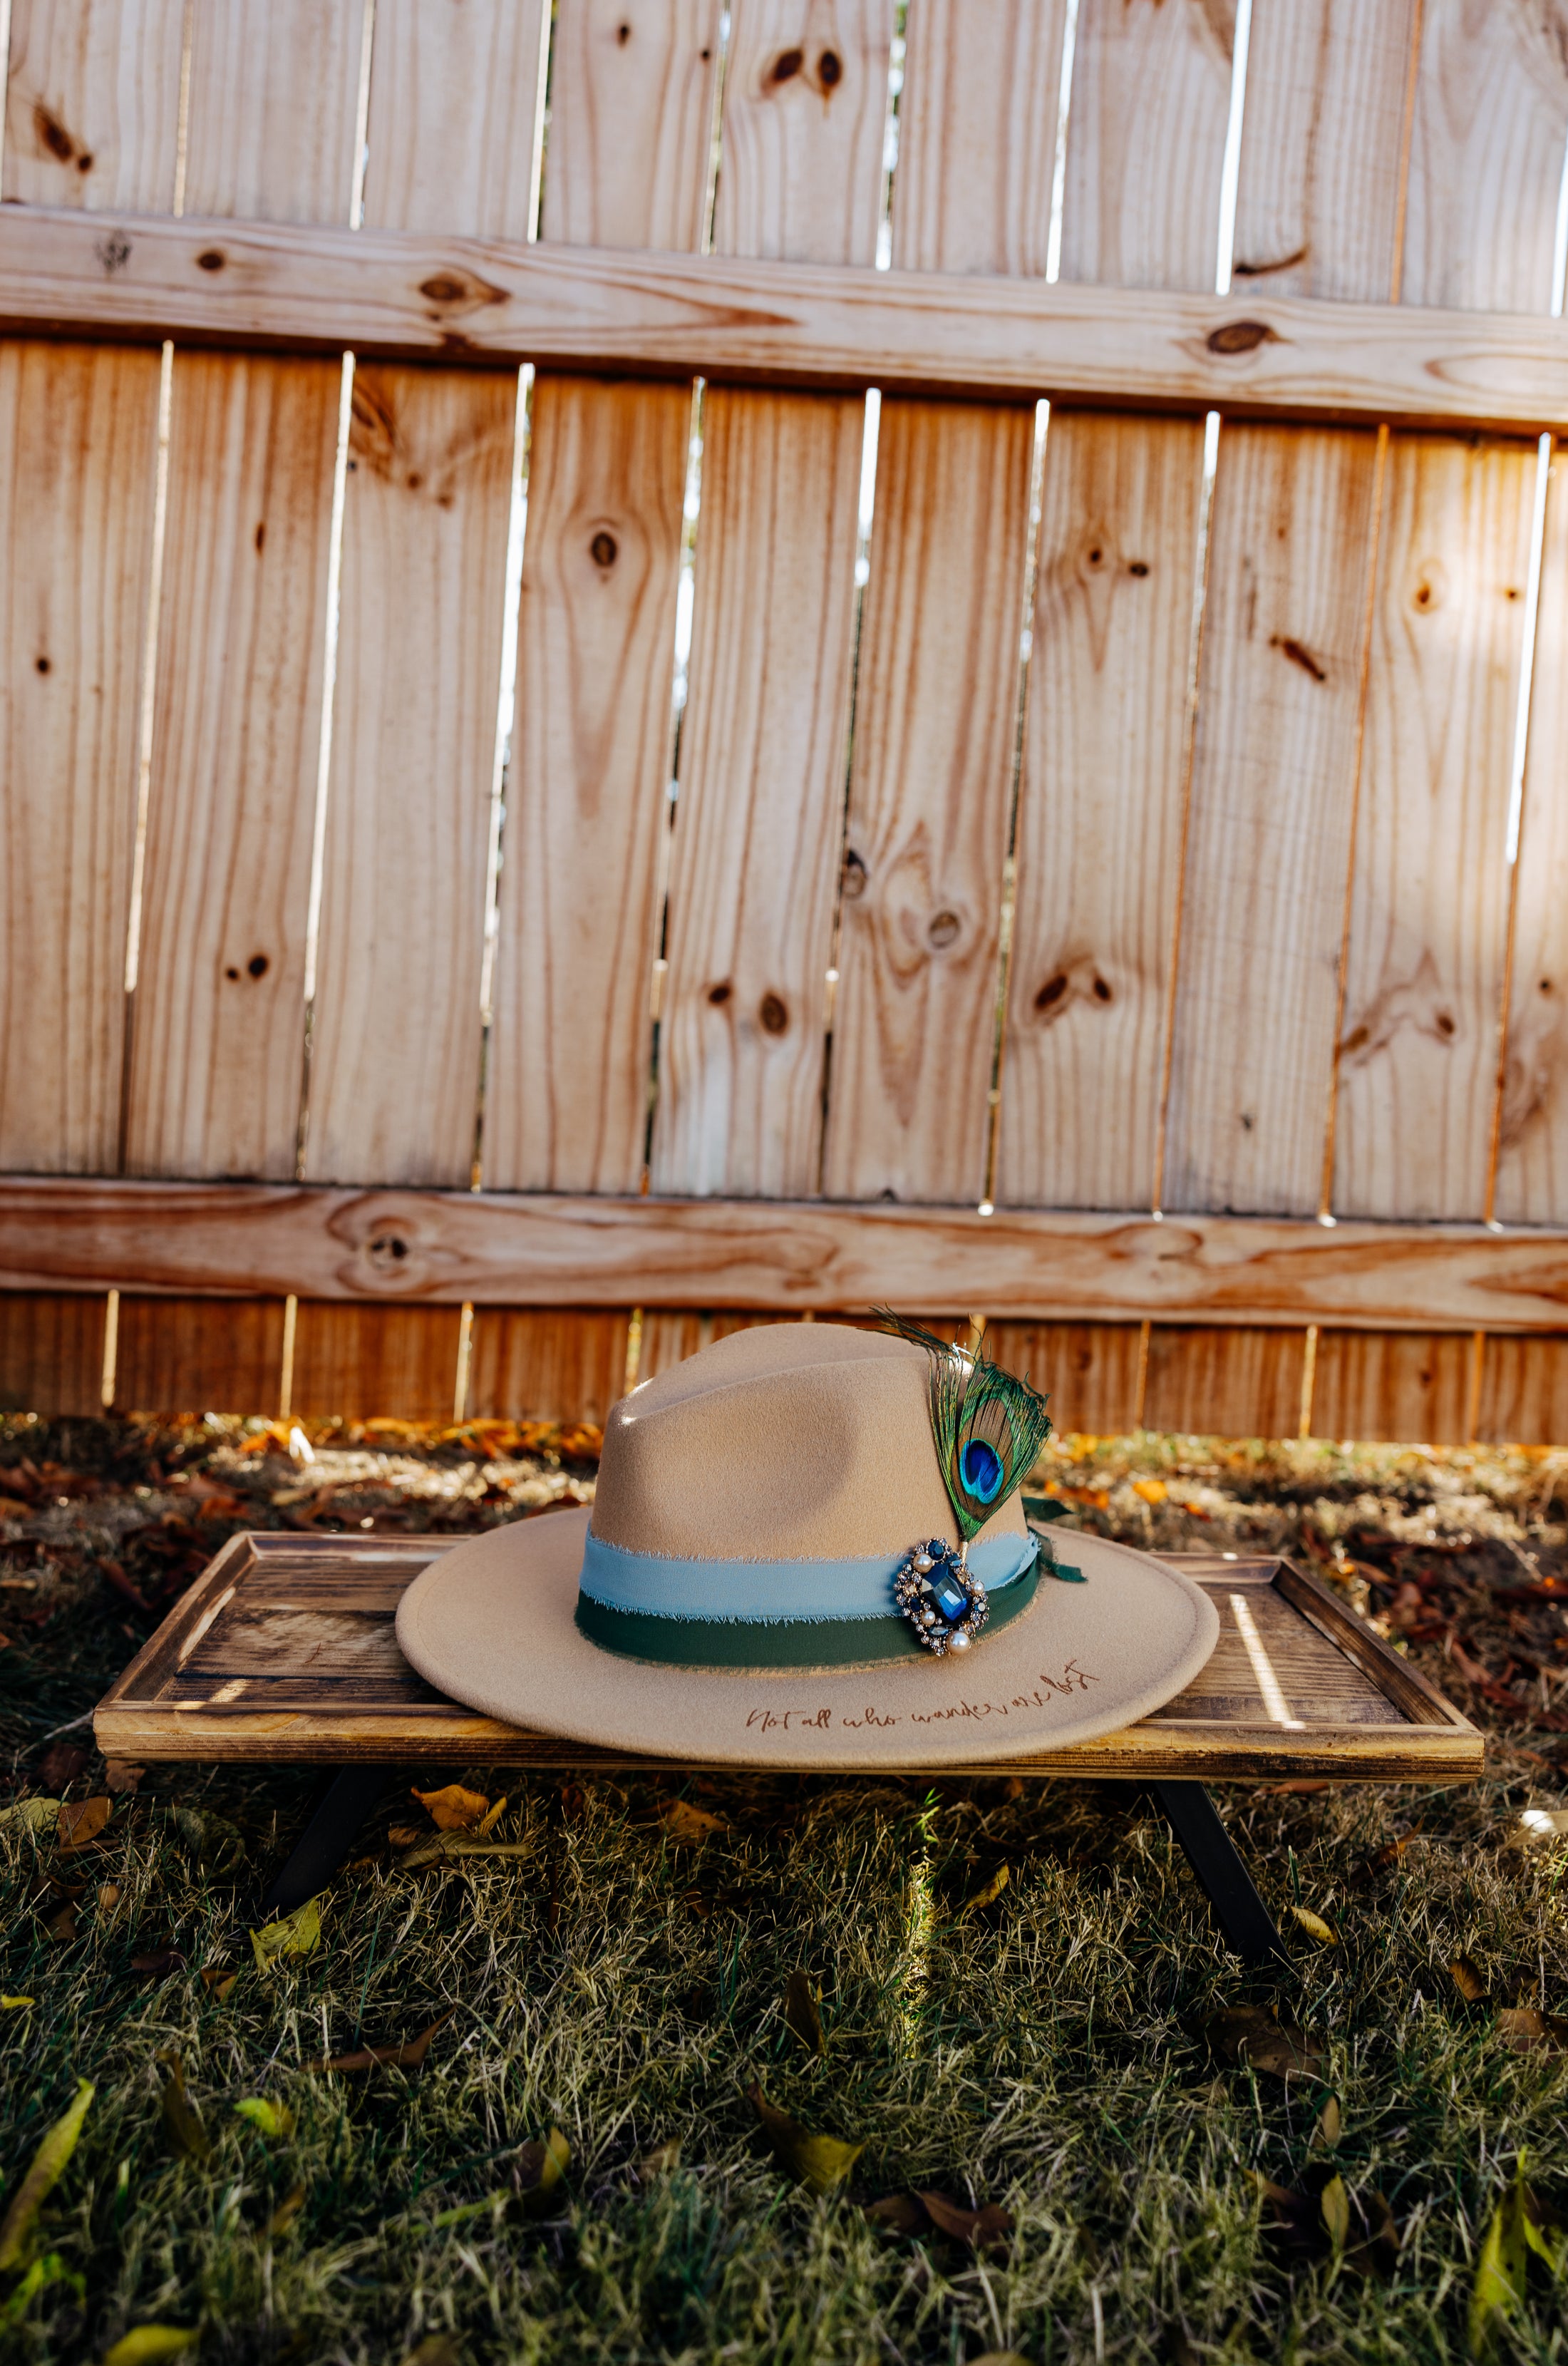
x: 981, y: 1466
x: 987, y: 1426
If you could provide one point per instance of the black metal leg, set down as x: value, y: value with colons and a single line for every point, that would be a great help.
x: 328, y: 1837
x: 1241, y: 1914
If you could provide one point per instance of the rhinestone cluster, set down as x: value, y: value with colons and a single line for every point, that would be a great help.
x: 943, y: 1600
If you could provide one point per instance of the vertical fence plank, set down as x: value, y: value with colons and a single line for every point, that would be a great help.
x: 929, y: 807
x: 1428, y: 924
x: 198, y: 1354
x: 1222, y: 1382
x: 1273, y: 810
x: 52, y: 1352
x: 1103, y: 756
x: 1532, y: 1147
x: 566, y: 1096
x: 215, y: 1071
x: 1524, y: 1392
x: 915, y: 1018
x: 554, y: 1364
x: 1392, y: 1384
x: 1151, y: 101
x: 92, y: 103
x: 454, y: 93
x: 274, y: 99
x: 760, y: 819
x: 631, y: 121
x: 1425, y: 988
x: 360, y: 1361
x: 79, y: 430
x: 1090, y: 1370
x: 395, y: 1063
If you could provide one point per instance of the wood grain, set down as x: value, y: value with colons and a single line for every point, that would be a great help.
x: 759, y: 822
x: 455, y: 103
x: 630, y: 122
x: 977, y: 137
x: 78, y: 428
x: 296, y: 1634
x: 566, y: 1093
x: 1090, y: 1370
x: 361, y: 1362
x: 219, y: 1023
x: 1151, y: 101
x: 567, y: 1365
x: 1224, y: 1383
x: 413, y: 755
x: 272, y: 137
x: 1388, y: 1385
x: 92, y: 103
x: 929, y: 807
x: 191, y: 1355
x: 1319, y: 193
x: 52, y: 1352
x: 537, y: 1249
x: 1524, y: 1392
x: 805, y: 100
x: 1104, y: 748
x: 1486, y: 150
x: 1427, y: 943
x: 1532, y: 1136
x: 471, y: 302
x: 1272, y: 813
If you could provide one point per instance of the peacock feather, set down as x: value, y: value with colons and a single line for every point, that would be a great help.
x: 987, y: 1424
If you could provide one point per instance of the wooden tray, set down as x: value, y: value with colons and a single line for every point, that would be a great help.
x: 284, y: 1649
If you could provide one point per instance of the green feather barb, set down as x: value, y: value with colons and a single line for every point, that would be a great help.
x: 987, y: 1426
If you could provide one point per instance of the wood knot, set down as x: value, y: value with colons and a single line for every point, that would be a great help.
x: 1102, y: 991
x: 943, y: 927
x: 830, y: 70
x: 787, y: 65
x: 603, y: 548
x: 1051, y: 992
x: 211, y: 258
x: 721, y: 993
x: 1242, y: 337
x: 775, y: 1018
x: 854, y: 876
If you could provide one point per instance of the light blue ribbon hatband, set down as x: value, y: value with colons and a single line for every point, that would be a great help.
x: 773, y: 1613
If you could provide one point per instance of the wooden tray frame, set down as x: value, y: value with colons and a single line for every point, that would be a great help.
x: 1434, y: 1744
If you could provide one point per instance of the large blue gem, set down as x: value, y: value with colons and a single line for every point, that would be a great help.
x: 949, y: 1596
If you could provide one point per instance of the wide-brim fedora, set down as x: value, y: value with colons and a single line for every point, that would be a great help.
x: 771, y: 1529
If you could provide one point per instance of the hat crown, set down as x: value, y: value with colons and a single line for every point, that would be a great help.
x: 789, y: 1441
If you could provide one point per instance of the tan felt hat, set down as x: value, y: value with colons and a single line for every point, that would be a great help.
x: 731, y: 1597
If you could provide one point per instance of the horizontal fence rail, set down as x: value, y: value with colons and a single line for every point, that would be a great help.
x: 745, y: 322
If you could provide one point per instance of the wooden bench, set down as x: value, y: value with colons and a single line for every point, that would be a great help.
x: 284, y: 1652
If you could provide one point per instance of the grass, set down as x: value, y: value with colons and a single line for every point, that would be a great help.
x: 1044, y: 2052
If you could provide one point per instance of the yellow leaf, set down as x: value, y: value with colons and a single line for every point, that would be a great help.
x: 217, y: 1981
x: 1335, y: 2205
x: 16, y: 2004
x: 275, y: 2120
x: 1326, y: 2127
x: 682, y: 1821
x: 489, y: 1823
x: 1153, y: 1491
x: 1500, y: 2271
x: 82, y: 1822
x: 31, y: 1816
x: 989, y: 1894
x: 44, y: 2170
x: 540, y: 2168
x: 1316, y: 1927
x: 1468, y: 1980
x: 453, y: 1808
x: 299, y: 1933
x: 818, y: 2162
x: 146, y: 2344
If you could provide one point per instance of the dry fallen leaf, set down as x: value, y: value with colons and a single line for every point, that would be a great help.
x: 287, y: 2211
x: 985, y: 2229
x: 435, y: 2349
x: 181, y: 2119
x: 1335, y: 2205
x: 295, y: 1934
x: 538, y: 2170
x: 988, y: 1894
x: 31, y: 1816
x: 82, y: 1821
x: 818, y: 2162
x: 159, y: 1963
x: 661, y: 2160
x: 404, y: 1835
x: 16, y: 2003
x: 1468, y: 1980
x: 1247, y: 2036
x: 1153, y: 1491
x: 1526, y: 2031
x: 802, y: 2015
x: 61, y: 1925
x: 123, y: 1775
x: 901, y: 2213
x: 1316, y: 1927
x: 44, y: 2172
x: 453, y: 1808
x: 218, y: 1981
x: 408, y: 2055
x: 1325, y: 2128
x: 684, y: 1822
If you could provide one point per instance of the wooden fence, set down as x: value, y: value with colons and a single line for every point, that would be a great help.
x: 538, y: 823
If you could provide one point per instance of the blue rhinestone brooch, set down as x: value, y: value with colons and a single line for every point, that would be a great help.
x: 942, y: 1599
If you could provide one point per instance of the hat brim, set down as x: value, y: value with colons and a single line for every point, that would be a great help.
x: 492, y: 1624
